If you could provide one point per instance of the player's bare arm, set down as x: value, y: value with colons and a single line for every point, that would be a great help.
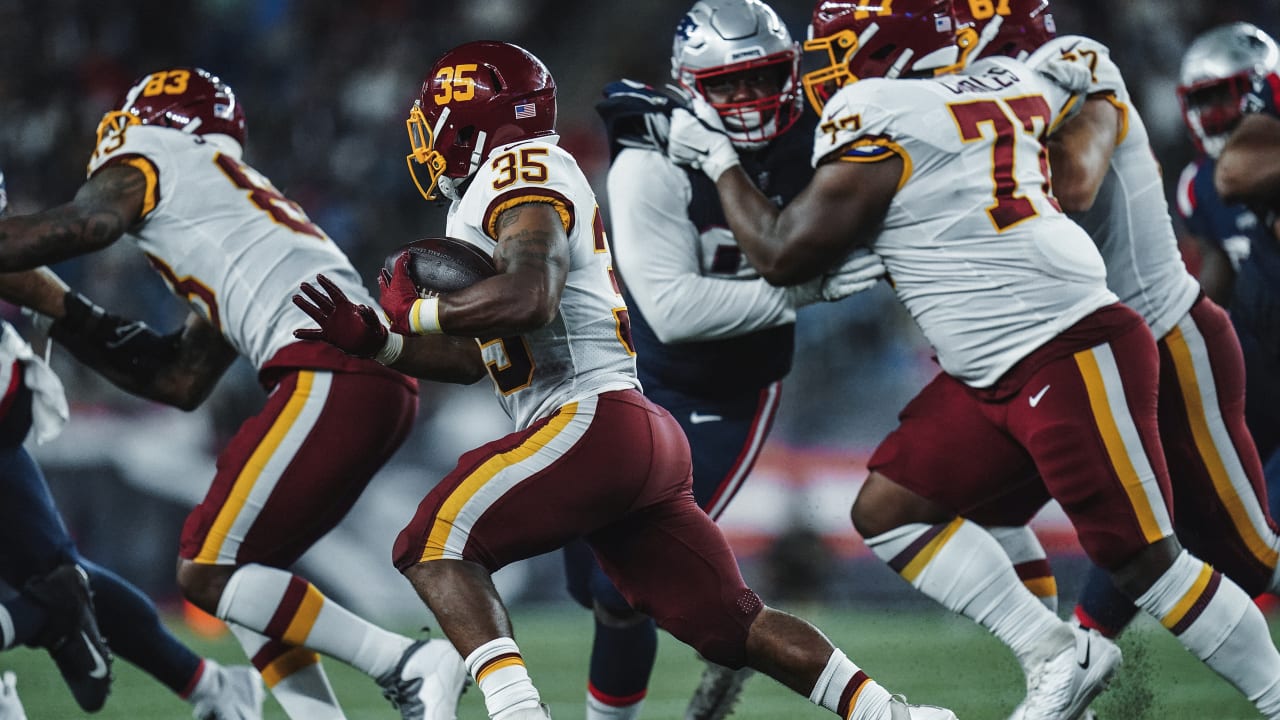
x: 181, y: 373
x: 842, y: 208
x: 442, y: 358
x: 202, y: 358
x: 532, y: 258
x: 1080, y: 153
x: 40, y: 290
x: 102, y: 210
x: 1248, y: 170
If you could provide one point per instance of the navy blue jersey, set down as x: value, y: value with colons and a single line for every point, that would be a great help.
x: 1253, y: 251
x: 745, y: 363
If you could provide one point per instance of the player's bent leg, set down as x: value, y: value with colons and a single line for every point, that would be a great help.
x: 1101, y: 606
x: 960, y: 565
x: 718, y: 615
x: 1029, y: 561
x: 293, y: 674
x: 1214, y: 467
x: 130, y: 619
x: 1211, y: 616
x: 461, y: 595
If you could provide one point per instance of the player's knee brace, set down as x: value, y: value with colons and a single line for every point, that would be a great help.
x: 718, y: 631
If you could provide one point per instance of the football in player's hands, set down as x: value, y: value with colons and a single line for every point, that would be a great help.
x: 426, y: 268
x: 438, y: 265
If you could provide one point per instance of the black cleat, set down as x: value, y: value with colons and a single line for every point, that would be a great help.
x: 71, y: 635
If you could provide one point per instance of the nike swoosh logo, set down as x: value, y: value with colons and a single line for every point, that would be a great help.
x: 1035, y: 399
x: 1084, y: 664
x: 99, y: 670
x: 698, y: 418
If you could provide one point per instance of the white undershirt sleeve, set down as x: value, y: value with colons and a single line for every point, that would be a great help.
x: 656, y: 247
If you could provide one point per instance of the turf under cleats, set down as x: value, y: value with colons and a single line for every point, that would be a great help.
x: 71, y: 635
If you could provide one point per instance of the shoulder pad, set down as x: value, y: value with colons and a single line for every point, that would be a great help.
x: 635, y: 115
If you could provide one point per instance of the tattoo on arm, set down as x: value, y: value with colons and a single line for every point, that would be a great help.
x: 526, y: 239
x: 101, y: 212
x: 510, y: 217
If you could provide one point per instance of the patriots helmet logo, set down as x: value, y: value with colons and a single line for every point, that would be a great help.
x: 686, y: 27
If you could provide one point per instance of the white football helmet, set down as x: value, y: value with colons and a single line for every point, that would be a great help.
x: 1226, y: 73
x: 720, y: 37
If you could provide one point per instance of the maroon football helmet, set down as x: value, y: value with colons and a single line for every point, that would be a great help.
x: 477, y: 97
x: 876, y: 38
x: 186, y: 98
x: 1012, y: 28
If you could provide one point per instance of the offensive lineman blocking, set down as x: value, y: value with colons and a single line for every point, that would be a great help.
x: 1043, y: 368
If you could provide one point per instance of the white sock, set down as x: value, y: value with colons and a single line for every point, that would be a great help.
x: 285, y: 606
x: 206, y: 682
x: 1214, y: 619
x: 499, y: 671
x: 1029, y: 562
x: 597, y: 710
x: 864, y: 698
x: 961, y: 566
x: 295, y: 677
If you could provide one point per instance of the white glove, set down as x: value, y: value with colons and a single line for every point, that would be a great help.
x: 698, y: 139
x: 860, y: 271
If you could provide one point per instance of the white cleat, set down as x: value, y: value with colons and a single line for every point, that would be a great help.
x: 427, y: 682
x: 10, y: 705
x: 717, y: 692
x: 900, y: 710
x: 1061, y: 685
x: 235, y: 693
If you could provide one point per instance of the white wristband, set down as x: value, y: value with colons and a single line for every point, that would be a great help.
x: 424, y: 316
x: 391, y: 349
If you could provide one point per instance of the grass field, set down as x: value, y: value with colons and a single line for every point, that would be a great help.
x: 927, y: 655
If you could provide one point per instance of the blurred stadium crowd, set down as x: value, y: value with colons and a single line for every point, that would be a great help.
x: 327, y: 87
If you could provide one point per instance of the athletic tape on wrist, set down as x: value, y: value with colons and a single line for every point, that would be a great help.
x: 391, y: 349
x: 424, y: 316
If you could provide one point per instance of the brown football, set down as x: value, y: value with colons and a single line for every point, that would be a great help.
x: 443, y: 264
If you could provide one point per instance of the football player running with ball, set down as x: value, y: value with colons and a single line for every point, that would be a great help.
x: 167, y: 172
x: 591, y: 456
x: 945, y: 177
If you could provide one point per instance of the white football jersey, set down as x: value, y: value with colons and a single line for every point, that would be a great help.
x: 224, y: 239
x: 1129, y: 220
x: 586, y: 349
x: 975, y: 246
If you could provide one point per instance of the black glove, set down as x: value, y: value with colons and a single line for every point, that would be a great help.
x: 103, y: 340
